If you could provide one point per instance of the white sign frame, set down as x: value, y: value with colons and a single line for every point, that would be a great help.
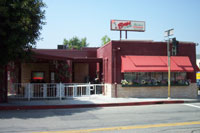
x: 127, y: 25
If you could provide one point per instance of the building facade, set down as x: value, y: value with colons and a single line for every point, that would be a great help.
x: 127, y: 68
x: 139, y: 69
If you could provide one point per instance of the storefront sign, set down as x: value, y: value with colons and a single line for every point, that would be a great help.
x: 126, y: 25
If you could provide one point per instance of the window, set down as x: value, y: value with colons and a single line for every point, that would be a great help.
x: 154, y: 78
x: 173, y: 76
x: 143, y: 76
x: 165, y: 76
x: 181, y: 76
x: 52, y: 77
x: 130, y: 76
x: 136, y: 78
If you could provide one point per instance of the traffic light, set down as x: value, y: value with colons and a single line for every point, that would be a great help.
x: 174, y: 42
x: 174, y: 46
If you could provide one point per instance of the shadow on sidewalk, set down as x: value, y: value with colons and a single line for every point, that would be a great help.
x: 43, y: 113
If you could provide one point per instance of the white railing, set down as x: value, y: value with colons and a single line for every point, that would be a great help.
x: 53, y: 90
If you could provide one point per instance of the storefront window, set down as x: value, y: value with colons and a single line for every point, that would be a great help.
x: 144, y: 76
x: 181, y: 76
x: 154, y: 78
x: 173, y: 76
x: 130, y: 77
x: 165, y: 76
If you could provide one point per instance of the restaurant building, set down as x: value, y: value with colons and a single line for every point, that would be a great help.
x: 139, y: 69
x: 127, y: 68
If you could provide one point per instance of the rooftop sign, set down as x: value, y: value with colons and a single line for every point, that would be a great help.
x: 127, y: 25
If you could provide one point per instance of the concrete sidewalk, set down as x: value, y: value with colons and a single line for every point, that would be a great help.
x: 88, y: 102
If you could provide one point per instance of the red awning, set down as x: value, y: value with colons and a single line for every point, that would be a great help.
x: 155, y: 64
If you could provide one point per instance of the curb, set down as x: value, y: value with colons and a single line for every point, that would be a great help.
x: 196, y: 101
x: 34, y: 107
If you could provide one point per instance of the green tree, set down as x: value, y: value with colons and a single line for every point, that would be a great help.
x: 20, y: 25
x: 76, y: 43
x: 104, y: 40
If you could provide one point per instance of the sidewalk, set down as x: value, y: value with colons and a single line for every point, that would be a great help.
x: 88, y: 102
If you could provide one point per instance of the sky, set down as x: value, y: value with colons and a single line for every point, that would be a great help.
x: 91, y: 19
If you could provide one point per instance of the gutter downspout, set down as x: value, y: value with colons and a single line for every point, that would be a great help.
x: 115, y: 71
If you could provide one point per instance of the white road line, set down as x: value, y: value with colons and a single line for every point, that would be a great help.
x: 192, y: 105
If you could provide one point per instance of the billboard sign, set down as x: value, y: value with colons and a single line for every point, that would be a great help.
x: 127, y: 25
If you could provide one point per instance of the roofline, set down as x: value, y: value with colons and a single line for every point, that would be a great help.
x: 83, y: 49
x: 132, y: 41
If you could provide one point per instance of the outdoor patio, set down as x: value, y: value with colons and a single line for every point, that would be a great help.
x: 30, y: 91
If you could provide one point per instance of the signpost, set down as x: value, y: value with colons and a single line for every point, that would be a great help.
x: 169, y: 33
x: 127, y: 25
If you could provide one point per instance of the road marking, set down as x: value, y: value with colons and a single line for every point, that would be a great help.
x: 127, y: 127
x: 192, y: 105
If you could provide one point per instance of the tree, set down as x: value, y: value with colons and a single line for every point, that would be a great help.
x: 76, y: 43
x: 20, y: 25
x: 104, y: 40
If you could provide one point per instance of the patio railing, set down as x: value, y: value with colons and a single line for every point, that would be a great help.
x: 53, y: 90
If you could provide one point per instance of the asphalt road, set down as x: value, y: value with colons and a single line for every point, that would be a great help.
x: 164, y: 118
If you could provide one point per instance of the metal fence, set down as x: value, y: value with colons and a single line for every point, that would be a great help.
x: 53, y: 90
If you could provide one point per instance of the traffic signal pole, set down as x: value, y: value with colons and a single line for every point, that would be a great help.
x: 167, y: 34
x: 169, y: 69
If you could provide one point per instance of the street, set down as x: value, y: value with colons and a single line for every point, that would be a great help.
x: 150, y: 118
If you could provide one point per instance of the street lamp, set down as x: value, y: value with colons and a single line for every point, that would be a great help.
x: 169, y: 33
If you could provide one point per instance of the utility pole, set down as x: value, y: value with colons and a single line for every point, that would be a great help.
x: 169, y: 33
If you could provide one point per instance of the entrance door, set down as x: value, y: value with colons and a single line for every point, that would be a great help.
x: 81, y: 72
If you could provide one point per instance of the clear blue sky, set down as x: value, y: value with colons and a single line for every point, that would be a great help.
x: 91, y: 19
